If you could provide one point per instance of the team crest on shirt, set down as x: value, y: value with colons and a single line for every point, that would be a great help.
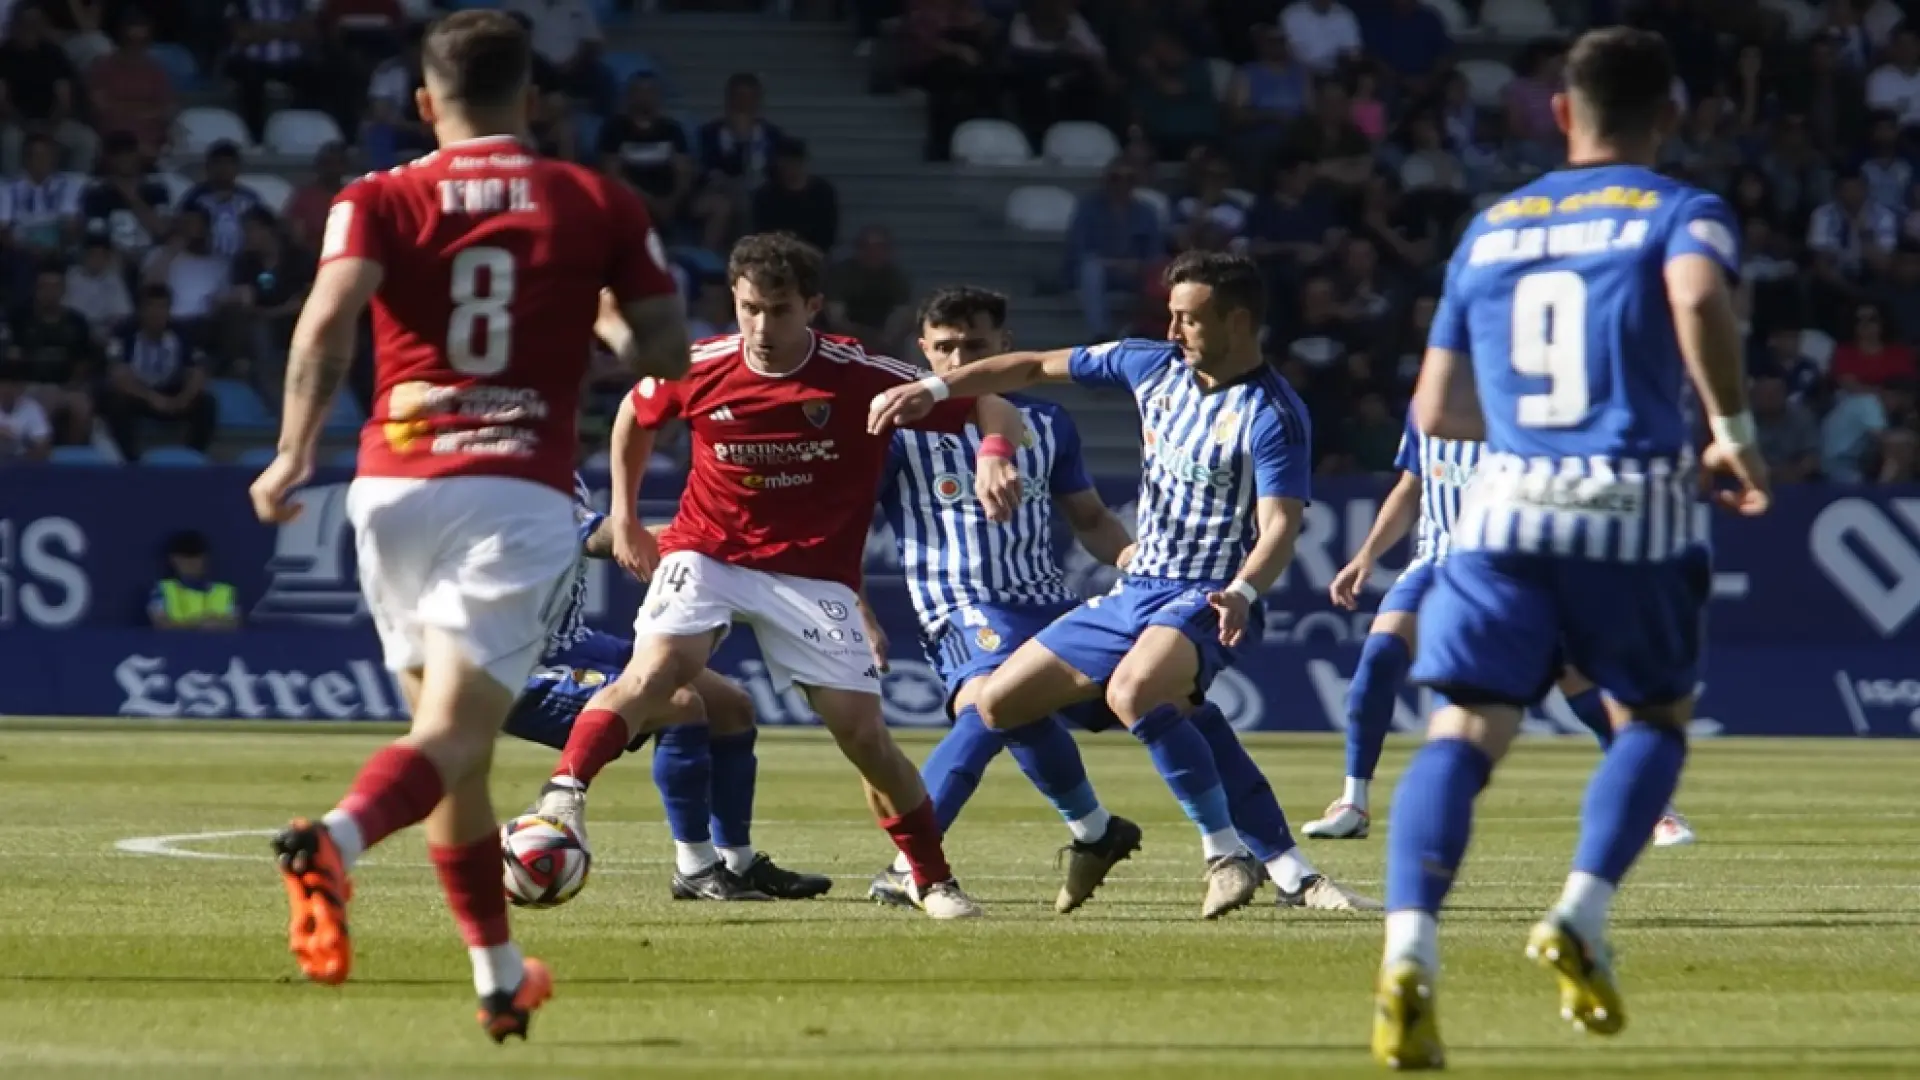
x: 816, y: 412
x: 1225, y: 427
x: 587, y: 677
x: 987, y: 639
x: 948, y: 488
x: 1159, y: 403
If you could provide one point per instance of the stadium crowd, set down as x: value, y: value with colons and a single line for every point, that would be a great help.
x: 1343, y: 142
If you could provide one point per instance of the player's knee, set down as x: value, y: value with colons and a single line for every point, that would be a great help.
x: 995, y: 703
x: 685, y: 707
x: 1132, y: 696
x: 729, y: 709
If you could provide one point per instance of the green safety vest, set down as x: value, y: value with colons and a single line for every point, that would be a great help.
x: 185, y: 604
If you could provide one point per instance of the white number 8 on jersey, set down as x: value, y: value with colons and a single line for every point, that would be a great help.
x: 480, y: 332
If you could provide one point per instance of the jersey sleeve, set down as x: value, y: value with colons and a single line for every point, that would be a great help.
x: 1704, y: 225
x: 656, y: 401
x: 1282, y: 459
x: 1407, y: 458
x: 1128, y: 362
x: 1449, y: 330
x: 640, y: 268
x: 1069, y: 463
x: 890, y: 474
x: 871, y: 374
x: 354, y: 228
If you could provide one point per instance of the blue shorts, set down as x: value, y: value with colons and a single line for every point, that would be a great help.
x: 1094, y: 637
x: 1404, y: 596
x: 975, y: 641
x: 1500, y: 626
x: 561, y: 686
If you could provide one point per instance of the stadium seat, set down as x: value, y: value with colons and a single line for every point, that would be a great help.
x: 1241, y: 197
x: 174, y: 457
x: 989, y: 142
x: 1162, y: 206
x: 183, y: 71
x: 197, y: 128
x: 1485, y: 80
x: 344, y: 418
x: 1040, y: 208
x: 241, y: 409
x: 255, y: 457
x: 1803, y: 20
x: 1518, y: 19
x: 300, y: 132
x: 177, y: 186
x: 1451, y: 14
x: 1222, y: 72
x: 626, y: 63
x: 273, y: 190
x: 1079, y: 145
x: 418, y: 10
x: 77, y: 455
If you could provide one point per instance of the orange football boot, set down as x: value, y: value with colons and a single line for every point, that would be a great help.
x: 317, y: 893
x: 505, y: 1013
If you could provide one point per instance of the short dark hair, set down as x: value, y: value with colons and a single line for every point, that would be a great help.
x: 1234, y: 279
x: 480, y: 58
x: 1625, y: 76
x: 224, y: 150
x: 187, y: 542
x: 156, y: 291
x: 775, y: 261
x: 959, y: 305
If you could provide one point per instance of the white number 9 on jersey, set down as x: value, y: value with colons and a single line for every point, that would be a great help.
x: 480, y: 332
x: 1550, y: 342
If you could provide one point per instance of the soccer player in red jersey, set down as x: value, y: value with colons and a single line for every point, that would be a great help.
x: 484, y: 265
x: 771, y: 532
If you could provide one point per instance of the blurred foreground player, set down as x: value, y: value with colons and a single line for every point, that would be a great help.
x: 484, y: 265
x: 1575, y: 311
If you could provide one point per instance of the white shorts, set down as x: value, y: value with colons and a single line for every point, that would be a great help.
x: 485, y: 559
x: 810, y: 631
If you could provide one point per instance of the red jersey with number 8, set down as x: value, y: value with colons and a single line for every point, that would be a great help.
x: 494, y: 259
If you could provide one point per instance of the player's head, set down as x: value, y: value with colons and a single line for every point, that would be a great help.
x: 1216, y: 305
x: 776, y: 280
x: 475, y: 75
x: 187, y: 553
x: 961, y: 324
x: 1618, y: 102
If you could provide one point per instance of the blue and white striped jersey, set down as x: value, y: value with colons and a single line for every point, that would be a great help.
x: 1208, y: 457
x: 952, y: 556
x: 1558, y: 294
x: 1443, y: 466
x: 572, y: 626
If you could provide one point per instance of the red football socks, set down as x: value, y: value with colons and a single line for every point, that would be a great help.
x: 598, y: 737
x: 397, y: 787
x: 470, y: 876
x: 917, y: 834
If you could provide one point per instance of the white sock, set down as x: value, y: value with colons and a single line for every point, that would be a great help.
x: 1356, y: 793
x: 1289, y: 869
x: 738, y: 858
x: 1415, y: 936
x: 1583, y: 906
x: 1092, y: 827
x: 346, y: 836
x: 691, y: 859
x: 901, y: 865
x: 1224, y: 842
x: 496, y: 967
x: 566, y: 781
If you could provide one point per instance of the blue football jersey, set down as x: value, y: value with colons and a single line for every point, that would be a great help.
x: 1558, y: 294
x: 951, y: 555
x: 1443, y: 466
x: 572, y: 626
x: 1208, y: 456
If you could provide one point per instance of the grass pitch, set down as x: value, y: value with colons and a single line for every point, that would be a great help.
x: 1784, y: 945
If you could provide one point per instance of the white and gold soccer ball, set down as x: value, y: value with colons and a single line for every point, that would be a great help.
x: 546, y: 864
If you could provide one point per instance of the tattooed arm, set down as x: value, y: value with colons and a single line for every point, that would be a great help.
x: 648, y: 335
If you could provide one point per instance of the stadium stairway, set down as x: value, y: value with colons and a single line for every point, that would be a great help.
x: 947, y: 221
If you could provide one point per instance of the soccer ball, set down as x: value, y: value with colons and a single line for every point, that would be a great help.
x: 546, y: 864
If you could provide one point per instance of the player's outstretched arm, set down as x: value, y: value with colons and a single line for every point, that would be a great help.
x: 1003, y: 374
x: 1709, y: 337
x: 648, y: 335
x: 1398, y: 512
x: 1446, y: 403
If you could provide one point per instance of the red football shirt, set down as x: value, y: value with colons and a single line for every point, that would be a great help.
x: 784, y: 475
x: 494, y: 260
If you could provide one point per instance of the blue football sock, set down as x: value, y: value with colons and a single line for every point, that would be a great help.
x: 683, y: 771
x: 953, y: 770
x: 1371, y: 699
x: 1180, y: 752
x: 1592, y: 711
x: 1047, y: 754
x: 735, y: 772
x: 1628, y: 793
x: 1432, y: 821
x: 1256, y: 812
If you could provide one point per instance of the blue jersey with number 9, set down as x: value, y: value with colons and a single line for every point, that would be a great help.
x: 1557, y: 293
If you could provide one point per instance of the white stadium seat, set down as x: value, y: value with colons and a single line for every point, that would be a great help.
x: 1079, y: 145
x: 1222, y: 72
x: 1241, y: 197
x: 197, y: 128
x: 1518, y: 18
x: 1040, y: 208
x: 1485, y: 80
x: 990, y: 142
x: 300, y: 132
x: 273, y: 190
x: 1817, y: 346
x: 1162, y: 206
x: 1451, y: 14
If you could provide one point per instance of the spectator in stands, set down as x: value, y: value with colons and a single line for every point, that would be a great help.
x: 306, y: 209
x: 25, y: 433
x: 1533, y: 139
x: 566, y: 50
x: 1899, y: 456
x: 1886, y: 169
x: 97, y: 287
x: 269, y: 283
x: 1850, y: 433
x: 650, y: 150
x: 1267, y: 95
x: 1704, y: 151
x: 195, y: 275
x: 1779, y: 349
x: 1789, y: 434
x: 1328, y: 136
x: 735, y: 151
x: 391, y: 131
x: 362, y: 33
x: 797, y: 201
x: 1410, y: 39
x: 1799, y: 174
x: 156, y: 373
x: 1110, y: 240
x: 1323, y: 33
x: 1849, y: 238
x: 1367, y: 301
x: 1869, y: 359
x: 1895, y: 85
x: 1059, y: 68
x: 1371, y: 440
x: 41, y: 94
x: 222, y: 197
x: 127, y: 206
x: 129, y: 86
x: 1212, y: 205
x: 188, y: 598
x: 1897, y: 294
x: 1430, y: 165
x: 711, y: 313
x: 953, y: 56
x: 52, y: 353
x: 1322, y: 341
x: 75, y: 25
x: 1402, y: 354
x: 1172, y: 97
x: 277, y: 41
x: 869, y: 296
x: 40, y: 209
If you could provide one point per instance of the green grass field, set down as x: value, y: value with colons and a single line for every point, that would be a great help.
x: 1784, y: 945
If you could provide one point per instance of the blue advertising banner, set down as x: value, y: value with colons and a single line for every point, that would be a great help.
x: 1813, y: 625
